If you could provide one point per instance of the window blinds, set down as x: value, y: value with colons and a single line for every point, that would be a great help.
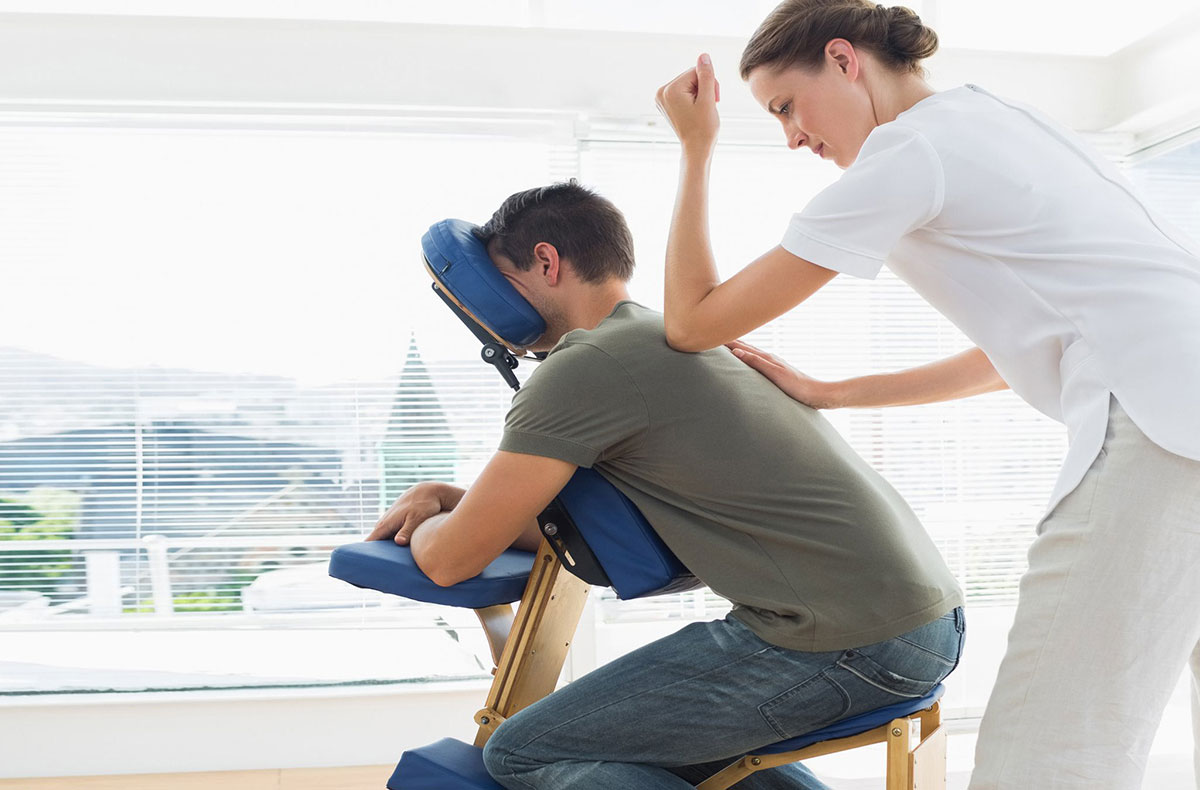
x: 219, y: 359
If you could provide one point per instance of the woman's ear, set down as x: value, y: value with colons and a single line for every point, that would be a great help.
x: 840, y: 53
x: 545, y: 258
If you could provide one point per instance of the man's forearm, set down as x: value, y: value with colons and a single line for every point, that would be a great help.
x: 438, y: 559
x: 960, y: 376
x: 431, y: 557
x: 498, y: 512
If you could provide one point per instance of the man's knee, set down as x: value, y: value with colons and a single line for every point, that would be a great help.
x: 496, y: 752
x: 502, y: 755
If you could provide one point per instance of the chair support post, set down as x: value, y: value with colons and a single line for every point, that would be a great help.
x: 927, y: 763
x: 900, y: 734
x: 537, y: 645
x: 497, y: 622
x: 908, y: 768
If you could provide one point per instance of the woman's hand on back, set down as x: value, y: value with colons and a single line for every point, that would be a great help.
x: 690, y: 103
x: 807, y: 390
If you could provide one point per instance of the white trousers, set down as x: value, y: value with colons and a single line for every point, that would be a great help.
x: 1108, y: 615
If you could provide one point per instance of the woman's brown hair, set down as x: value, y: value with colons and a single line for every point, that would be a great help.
x: 796, y: 32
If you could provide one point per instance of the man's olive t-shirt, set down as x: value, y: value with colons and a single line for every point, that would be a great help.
x: 755, y: 493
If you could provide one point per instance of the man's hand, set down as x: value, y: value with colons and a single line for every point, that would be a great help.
x: 690, y: 103
x: 413, y: 507
x: 499, y: 511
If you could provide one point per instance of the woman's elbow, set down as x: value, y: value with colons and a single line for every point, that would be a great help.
x: 685, y: 339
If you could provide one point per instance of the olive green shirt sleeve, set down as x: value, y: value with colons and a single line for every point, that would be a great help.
x: 579, y: 406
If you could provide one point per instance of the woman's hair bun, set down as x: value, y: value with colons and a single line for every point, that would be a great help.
x: 908, y: 39
x: 796, y: 32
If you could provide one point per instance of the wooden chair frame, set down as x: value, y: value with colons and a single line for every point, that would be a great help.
x: 531, y: 647
x: 916, y: 754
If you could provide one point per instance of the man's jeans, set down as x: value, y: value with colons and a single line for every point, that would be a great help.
x: 676, y: 711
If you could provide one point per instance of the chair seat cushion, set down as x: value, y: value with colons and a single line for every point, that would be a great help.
x: 856, y: 724
x: 445, y: 765
x: 382, y: 565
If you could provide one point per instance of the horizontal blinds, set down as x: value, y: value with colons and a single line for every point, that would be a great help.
x: 978, y: 472
x: 220, y: 358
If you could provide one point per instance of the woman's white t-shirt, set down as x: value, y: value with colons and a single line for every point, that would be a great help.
x: 1038, y: 250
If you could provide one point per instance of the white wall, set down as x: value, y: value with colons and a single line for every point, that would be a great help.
x: 68, y: 62
x: 218, y: 731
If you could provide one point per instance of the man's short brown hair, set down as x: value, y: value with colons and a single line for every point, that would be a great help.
x: 585, y: 228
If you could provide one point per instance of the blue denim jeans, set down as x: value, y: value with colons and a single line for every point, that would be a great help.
x: 676, y: 711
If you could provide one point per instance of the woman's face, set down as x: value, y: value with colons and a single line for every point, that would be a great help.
x: 827, y: 110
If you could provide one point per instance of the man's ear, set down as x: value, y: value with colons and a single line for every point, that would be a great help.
x: 545, y: 258
x: 840, y: 53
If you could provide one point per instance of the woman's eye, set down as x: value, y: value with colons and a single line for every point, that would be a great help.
x: 786, y: 109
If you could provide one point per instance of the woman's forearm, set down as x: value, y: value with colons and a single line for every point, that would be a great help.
x: 691, y: 270
x: 960, y: 376
x: 701, y: 312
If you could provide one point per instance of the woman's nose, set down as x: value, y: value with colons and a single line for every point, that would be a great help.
x: 795, y: 137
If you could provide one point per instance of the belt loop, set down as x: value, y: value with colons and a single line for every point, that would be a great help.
x: 960, y: 619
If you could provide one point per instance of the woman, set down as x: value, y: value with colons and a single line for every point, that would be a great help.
x: 1077, y: 296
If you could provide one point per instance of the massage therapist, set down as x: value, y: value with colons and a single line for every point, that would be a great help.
x: 1077, y: 295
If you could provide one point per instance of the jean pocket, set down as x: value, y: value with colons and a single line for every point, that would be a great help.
x: 872, y: 672
x: 941, y: 639
x: 806, y: 706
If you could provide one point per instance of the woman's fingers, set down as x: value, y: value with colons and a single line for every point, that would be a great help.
x: 741, y: 345
x: 768, y: 367
x: 706, y: 80
x: 792, y: 382
x: 684, y: 82
x: 689, y: 104
x: 736, y: 344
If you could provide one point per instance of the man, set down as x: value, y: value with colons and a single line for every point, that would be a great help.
x: 841, y: 602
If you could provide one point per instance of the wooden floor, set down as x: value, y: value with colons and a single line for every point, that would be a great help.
x: 366, y: 777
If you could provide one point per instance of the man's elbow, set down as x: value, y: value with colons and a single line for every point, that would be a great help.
x: 443, y: 578
x: 440, y: 572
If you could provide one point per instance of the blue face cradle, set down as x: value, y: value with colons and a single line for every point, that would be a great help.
x: 465, y: 277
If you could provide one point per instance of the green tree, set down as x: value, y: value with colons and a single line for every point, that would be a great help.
x: 40, y: 514
x: 418, y: 444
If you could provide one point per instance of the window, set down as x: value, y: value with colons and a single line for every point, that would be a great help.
x: 220, y: 359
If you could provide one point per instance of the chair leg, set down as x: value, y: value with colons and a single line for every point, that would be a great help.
x: 928, y: 761
x: 899, y: 744
x: 537, y: 643
x: 728, y: 776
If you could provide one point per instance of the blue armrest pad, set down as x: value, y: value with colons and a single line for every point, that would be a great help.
x: 856, y: 724
x: 445, y: 765
x: 460, y: 264
x: 384, y: 566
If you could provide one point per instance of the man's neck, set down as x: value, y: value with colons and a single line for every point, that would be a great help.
x: 588, y: 312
